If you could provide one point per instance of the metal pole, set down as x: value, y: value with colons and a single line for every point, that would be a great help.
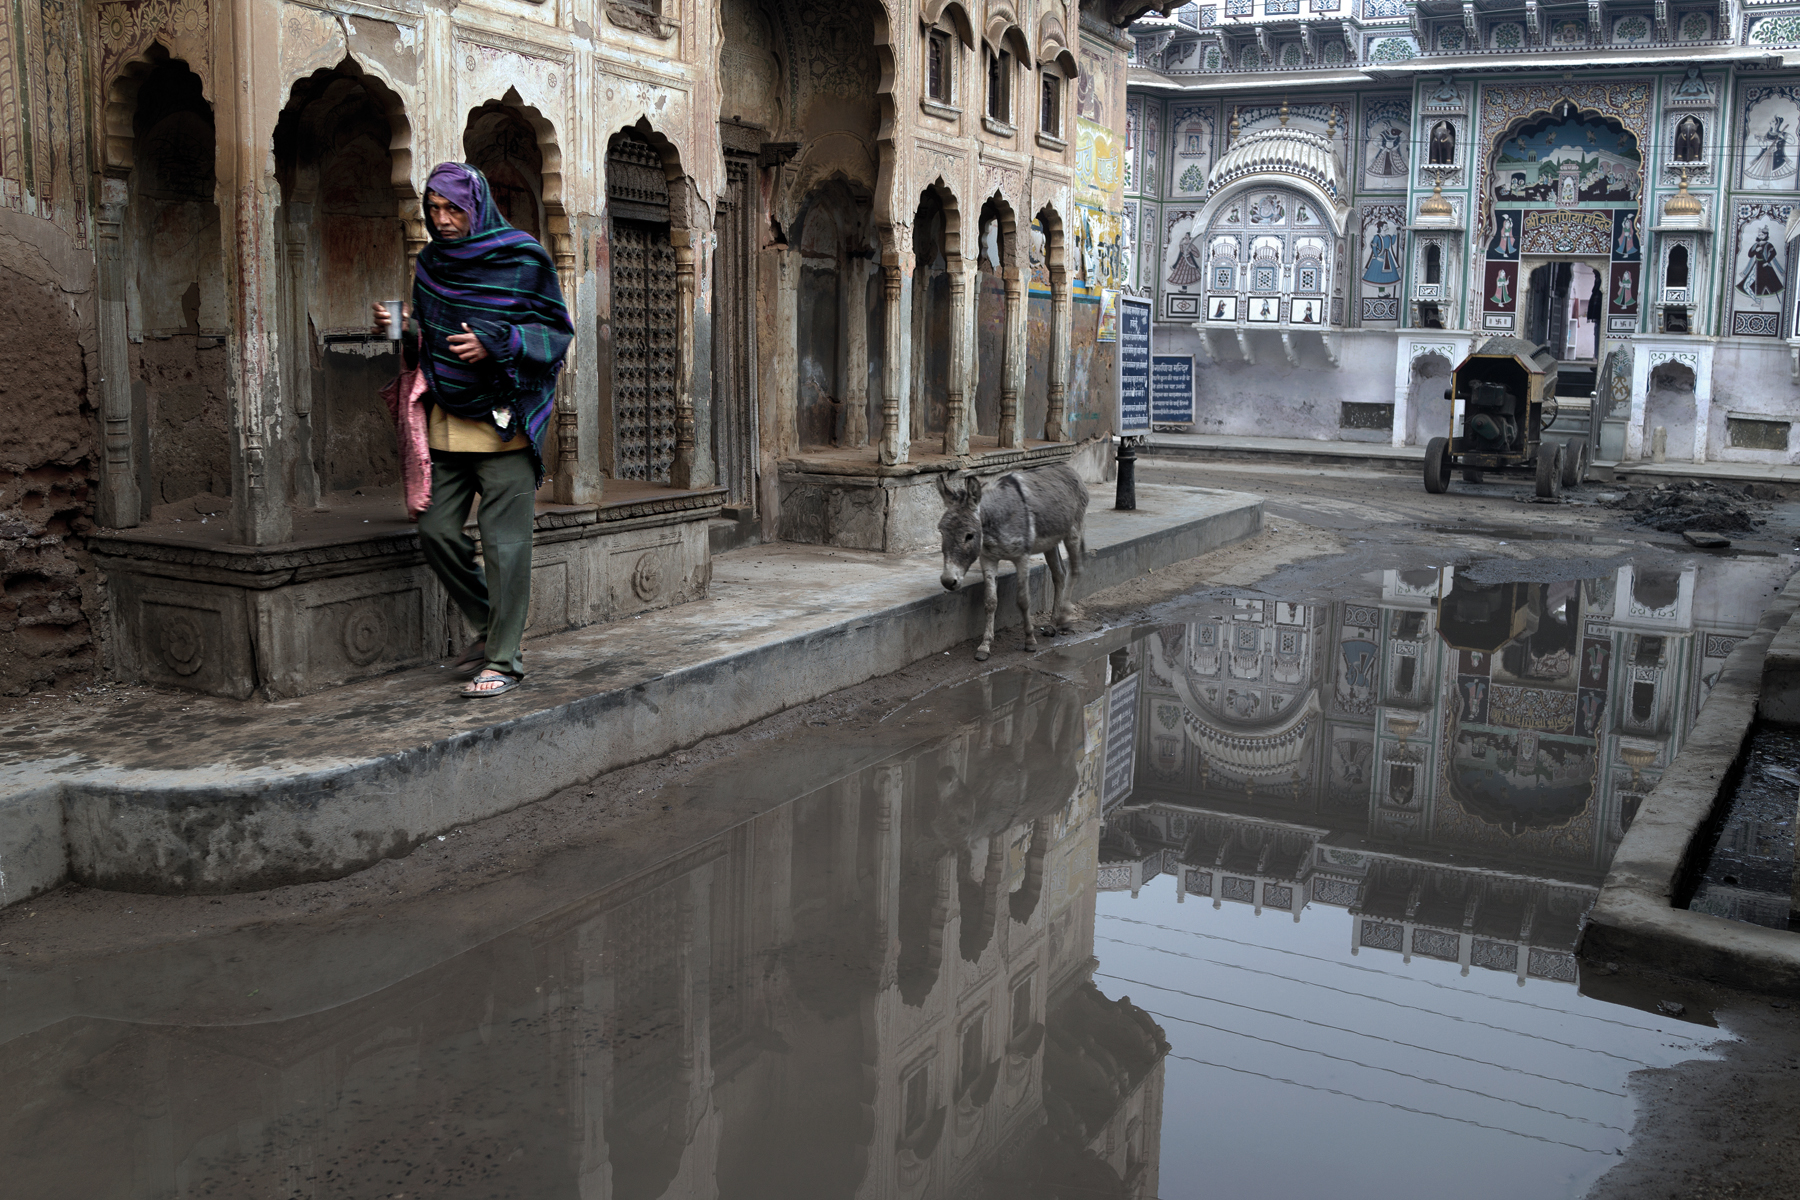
x: 1126, y: 495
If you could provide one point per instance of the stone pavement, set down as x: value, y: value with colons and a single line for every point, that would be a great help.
x: 200, y: 793
x: 1411, y: 458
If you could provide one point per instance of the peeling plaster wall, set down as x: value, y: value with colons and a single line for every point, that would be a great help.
x: 1271, y: 397
x: 49, y: 595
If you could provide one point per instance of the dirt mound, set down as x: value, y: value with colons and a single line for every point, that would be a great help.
x: 1690, y: 504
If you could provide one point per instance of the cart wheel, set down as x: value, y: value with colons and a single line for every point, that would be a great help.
x: 1437, y: 465
x: 1471, y: 475
x: 1575, y: 462
x: 1549, y: 469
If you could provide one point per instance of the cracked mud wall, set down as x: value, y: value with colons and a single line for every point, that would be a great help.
x: 49, y: 470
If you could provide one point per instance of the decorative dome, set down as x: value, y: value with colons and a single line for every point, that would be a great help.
x: 1683, y: 204
x: 1434, y: 207
x: 1280, y: 151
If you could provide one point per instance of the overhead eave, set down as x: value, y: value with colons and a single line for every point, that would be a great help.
x: 1215, y: 85
x: 1456, y: 64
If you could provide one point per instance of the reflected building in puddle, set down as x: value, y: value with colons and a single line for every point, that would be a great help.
x: 1452, y: 760
x: 881, y: 989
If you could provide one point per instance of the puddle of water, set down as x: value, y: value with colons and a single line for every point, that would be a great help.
x: 1116, y: 925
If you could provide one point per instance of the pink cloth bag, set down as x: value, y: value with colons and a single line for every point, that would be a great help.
x: 405, y: 401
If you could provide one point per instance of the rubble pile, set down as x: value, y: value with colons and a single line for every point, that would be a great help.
x: 1691, y: 504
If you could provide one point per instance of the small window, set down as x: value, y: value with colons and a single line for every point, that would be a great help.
x: 916, y: 1108
x: 1050, y: 111
x: 1021, y: 1007
x: 1000, y: 87
x: 1434, y: 264
x: 937, y: 67
x: 971, y: 1056
x: 1677, y: 275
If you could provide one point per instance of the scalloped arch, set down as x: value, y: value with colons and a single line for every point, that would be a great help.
x: 933, y: 11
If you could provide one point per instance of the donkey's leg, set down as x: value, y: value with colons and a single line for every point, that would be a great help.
x: 990, y: 600
x: 1059, y: 583
x: 1022, y: 572
x: 1065, y: 599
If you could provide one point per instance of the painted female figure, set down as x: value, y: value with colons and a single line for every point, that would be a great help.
x: 1772, y: 161
x: 1627, y: 245
x: 1384, y: 257
x: 1623, y: 298
x: 1502, y: 296
x: 1187, y: 263
x: 1504, y: 244
x: 1761, y: 275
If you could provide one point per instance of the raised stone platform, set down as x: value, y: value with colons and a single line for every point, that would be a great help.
x: 351, y: 598
x: 220, y: 795
x: 847, y: 498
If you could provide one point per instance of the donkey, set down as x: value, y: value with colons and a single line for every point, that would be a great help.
x: 1024, y: 513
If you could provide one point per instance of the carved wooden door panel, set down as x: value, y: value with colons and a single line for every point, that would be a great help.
x: 644, y: 352
x: 734, y: 336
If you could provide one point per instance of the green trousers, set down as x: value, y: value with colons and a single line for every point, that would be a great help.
x: 495, y: 594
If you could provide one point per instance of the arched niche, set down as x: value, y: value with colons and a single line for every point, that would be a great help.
x: 515, y: 146
x: 996, y: 250
x: 937, y: 251
x: 349, y: 217
x: 752, y: 76
x: 1427, y: 412
x: 177, y: 303
x: 1046, y: 281
x: 834, y: 236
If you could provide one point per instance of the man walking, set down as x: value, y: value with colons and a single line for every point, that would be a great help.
x: 492, y: 332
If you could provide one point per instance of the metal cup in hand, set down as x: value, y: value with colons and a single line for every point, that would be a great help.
x: 396, y: 318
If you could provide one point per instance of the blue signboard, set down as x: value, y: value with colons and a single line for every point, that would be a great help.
x: 1134, y: 367
x: 1172, y: 389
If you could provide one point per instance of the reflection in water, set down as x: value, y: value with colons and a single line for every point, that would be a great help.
x: 881, y: 988
x: 1453, y: 763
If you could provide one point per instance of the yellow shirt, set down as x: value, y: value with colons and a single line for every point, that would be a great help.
x: 447, y: 431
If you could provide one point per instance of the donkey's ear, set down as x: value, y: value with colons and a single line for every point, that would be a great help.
x: 943, y: 488
x: 972, y: 491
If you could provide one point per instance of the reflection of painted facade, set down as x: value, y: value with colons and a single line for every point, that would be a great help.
x: 881, y: 988
x: 1670, y: 159
x: 1453, y: 764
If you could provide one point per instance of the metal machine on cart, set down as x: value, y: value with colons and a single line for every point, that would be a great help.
x: 1503, y: 403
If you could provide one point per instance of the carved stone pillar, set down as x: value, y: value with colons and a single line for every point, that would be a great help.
x: 856, y: 352
x: 121, y: 500
x: 896, y: 441
x: 681, y: 471
x: 1055, y: 428
x: 1012, y: 430
x: 568, y: 486
x: 262, y: 432
x: 296, y: 356
x: 962, y: 317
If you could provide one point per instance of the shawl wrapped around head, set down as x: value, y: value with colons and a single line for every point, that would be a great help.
x: 502, y: 284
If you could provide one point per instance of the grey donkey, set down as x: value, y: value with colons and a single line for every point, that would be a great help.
x: 1023, y: 513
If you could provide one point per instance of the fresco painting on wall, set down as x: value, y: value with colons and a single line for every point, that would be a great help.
x: 1379, y: 271
x: 1386, y: 122
x: 1760, y: 269
x: 1500, y: 291
x: 1561, y: 161
x: 1192, y: 152
x: 1504, y: 245
x: 1771, y: 117
x: 1628, y: 244
x: 1152, y: 144
x: 1623, y: 289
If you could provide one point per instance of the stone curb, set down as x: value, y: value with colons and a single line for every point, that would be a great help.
x: 1633, y: 921
x: 304, y: 825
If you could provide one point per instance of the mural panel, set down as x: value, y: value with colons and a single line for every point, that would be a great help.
x: 1387, y: 122
x: 1760, y: 267
x: 1766, y: 148
x: 1191, y: 152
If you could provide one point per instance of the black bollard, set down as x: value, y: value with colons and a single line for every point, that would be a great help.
x: 1126, y: 495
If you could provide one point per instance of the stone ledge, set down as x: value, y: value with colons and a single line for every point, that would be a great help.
x: 1634, y: 920
x: 326, y: 784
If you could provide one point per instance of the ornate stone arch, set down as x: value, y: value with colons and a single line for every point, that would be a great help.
x: 557, y: 238
x: 933, y: 11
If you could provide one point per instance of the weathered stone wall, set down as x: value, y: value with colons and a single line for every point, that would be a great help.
x: 48, y: 467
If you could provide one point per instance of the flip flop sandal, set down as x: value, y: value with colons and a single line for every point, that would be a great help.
x: 469, y: 691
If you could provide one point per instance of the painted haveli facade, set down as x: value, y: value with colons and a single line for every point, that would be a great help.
x: 816, y: 254
x: 1334, y: 199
